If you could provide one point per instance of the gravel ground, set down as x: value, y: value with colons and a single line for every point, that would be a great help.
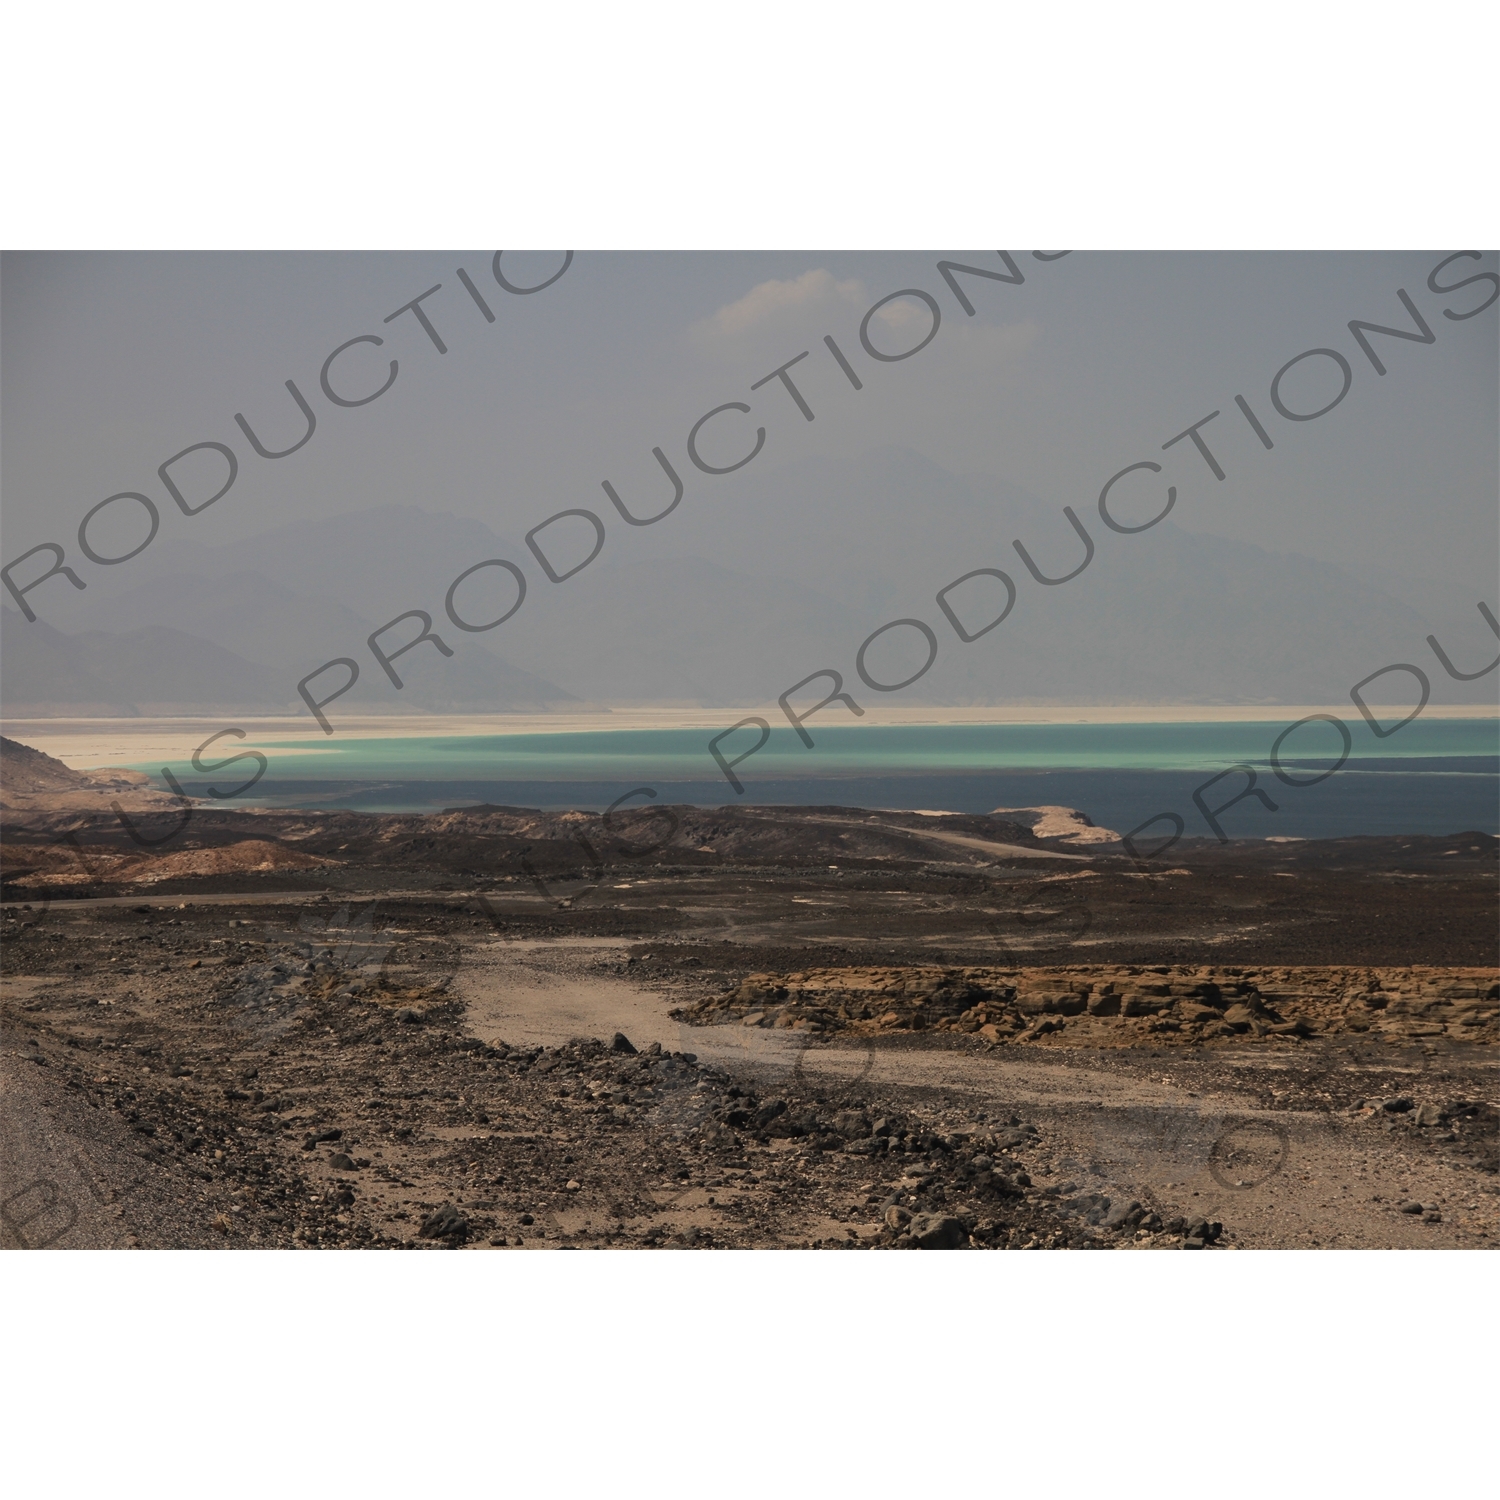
x: 326, y: 1072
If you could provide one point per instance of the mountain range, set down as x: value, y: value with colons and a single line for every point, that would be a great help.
x: 729, y: 601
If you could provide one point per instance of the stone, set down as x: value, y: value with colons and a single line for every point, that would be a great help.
x: 574, y: 1185
x: 1041, y: 1028
x: 1124, y: 1215
x: 852, y: 1124
x: 1432, y: 1216
x: 1196, y: 1012
x: 896, y: 1217
x: 408, y: 1016
x: 1410, y: 1208
x: 1050, y: 1002
x: 1093, y: 1208
x: 938, y: 1232
x: 1297, y: 1026
x: 444, y: 1224
x: 1428, y: 1114
x: 799, y: 1120
x: 619, y: 1042
x: 341, y: 1161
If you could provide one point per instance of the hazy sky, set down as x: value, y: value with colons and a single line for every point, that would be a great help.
x: 113, y: 363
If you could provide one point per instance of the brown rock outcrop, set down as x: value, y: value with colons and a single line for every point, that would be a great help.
x: 1115, y: 1005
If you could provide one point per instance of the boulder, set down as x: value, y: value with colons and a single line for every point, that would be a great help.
x: 938, y: 1232
x: 444, y: 1224
x: 1124, y: 1215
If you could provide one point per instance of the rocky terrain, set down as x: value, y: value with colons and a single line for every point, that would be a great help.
x: 217, y: 1072
x: 34, y: 782
x: 509, y: 1028
x: 288, y: 1100
x: 1113, y: 1006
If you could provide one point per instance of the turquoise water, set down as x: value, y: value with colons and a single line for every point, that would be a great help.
x: 1434, y: 776
x: 842, y: 750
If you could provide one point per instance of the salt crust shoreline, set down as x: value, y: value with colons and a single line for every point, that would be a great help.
x: 87, y: 744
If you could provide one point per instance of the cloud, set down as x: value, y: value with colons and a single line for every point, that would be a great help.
x: 765, y: 301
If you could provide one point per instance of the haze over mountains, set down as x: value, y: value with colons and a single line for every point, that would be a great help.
x: 728, y: 604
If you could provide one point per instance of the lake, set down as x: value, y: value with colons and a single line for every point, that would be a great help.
x: 1435, y: 775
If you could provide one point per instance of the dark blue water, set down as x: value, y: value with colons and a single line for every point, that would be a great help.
x: 1354, y: 801
x: 1435, y: 776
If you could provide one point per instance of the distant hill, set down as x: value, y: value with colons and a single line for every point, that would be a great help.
x: 727, y: 603
x: 235, y: 641
x: 31, y: 781
x: 300, y: 595
x: 153, y: 669
x: 42, y: 669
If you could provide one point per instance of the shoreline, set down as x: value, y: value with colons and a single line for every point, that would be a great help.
x: 90, y: 743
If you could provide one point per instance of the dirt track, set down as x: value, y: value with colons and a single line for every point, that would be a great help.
x: 1161, y: 1127
x: 169, y: 1105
